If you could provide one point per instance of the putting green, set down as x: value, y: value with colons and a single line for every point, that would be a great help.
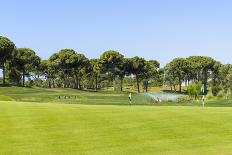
x: 70, y: 129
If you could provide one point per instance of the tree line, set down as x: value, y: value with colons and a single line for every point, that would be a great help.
x: 199, y: 69
x: 70, y: 69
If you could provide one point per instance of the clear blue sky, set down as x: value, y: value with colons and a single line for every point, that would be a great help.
x: 154, y: 29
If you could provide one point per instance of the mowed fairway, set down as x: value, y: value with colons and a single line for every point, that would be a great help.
x: 71, y: 129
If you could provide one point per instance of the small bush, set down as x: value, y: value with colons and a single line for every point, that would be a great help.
x: 221, y: 94
x: 216, y: 90
x: 184, y: 99
x: 209, y: 96
x: 194, y: 90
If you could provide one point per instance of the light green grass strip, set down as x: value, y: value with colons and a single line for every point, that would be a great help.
x: 71, y: 129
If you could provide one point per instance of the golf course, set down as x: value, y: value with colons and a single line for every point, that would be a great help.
x: 120, y: 77
x: 34, y: 121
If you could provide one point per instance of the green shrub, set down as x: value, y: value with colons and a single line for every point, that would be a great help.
x: 194, y: 90
x: 221, y: 94
x: 216, y: 89
x: 209, y: 95
x: 184, y: 99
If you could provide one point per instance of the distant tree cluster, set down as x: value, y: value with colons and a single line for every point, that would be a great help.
x: 194, y: 70
x: 70, y: 69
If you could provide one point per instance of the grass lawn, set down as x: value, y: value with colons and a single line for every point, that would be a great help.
x: 43, y: 95
x: 31, y: 128
x: 31, y: 122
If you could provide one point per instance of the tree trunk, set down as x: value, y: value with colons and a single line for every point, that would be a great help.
x: 49, y: 83
x: 53, y: 83
x: 121, y: 85
x: 65, y: 80
x: 203, y: 76
x: 23, y: 78
x: 214, y: 79
x: 205, y: 80
x: 78, y: 83
x: 96, y: 83
x: 180, y: 84
x: 137, y: 81
x: 4, y: 74
x: 171, y: 85
x: 65, y: 83
x: 114, y: 82
x: 146, y: 86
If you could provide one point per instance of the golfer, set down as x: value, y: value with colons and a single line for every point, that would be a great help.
x: 130, y: 98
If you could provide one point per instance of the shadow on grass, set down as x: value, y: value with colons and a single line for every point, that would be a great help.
x: 5, y: 85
